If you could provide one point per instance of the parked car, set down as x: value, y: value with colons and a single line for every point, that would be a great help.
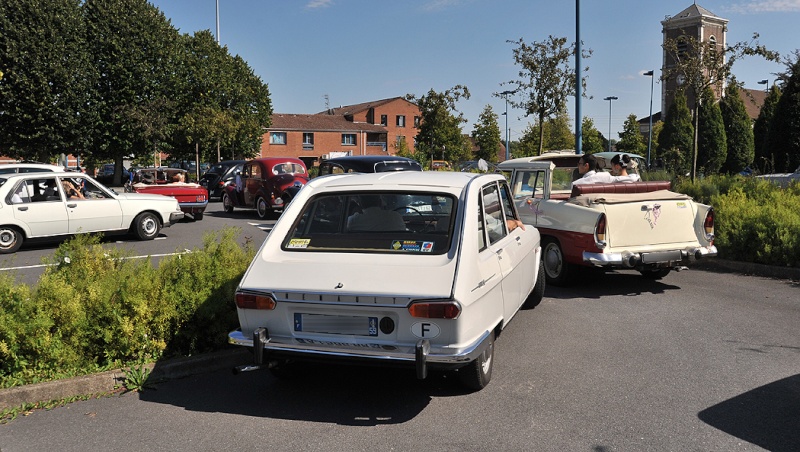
x: 171, y: 182
x: 46, y: 206
x: 266, y: 185
x: 413, y: 268
x: 477, y: 166
x: 641, y: 226
x: 782, y: 179
x: 440, y: 165
x: 14, y: 168
x: 368, y: 164
x: 220, y: 176
x: 105, y: 174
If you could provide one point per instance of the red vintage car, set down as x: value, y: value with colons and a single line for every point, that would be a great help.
x: 192, y: 198
x: 266, y: 185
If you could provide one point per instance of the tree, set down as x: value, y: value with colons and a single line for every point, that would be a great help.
x: 592, y: 139
x: 784, y: 131
x: 630, y: 139
x: 705, y: 64
x: 675, y: 142
x: 764, y: 161
x: 738, y: 131
x: 135, y: 50
x: 44, y: 92
x: 486, y: 134
x: 439, y: 132
x: 712, y: 149
x: 545, y: 80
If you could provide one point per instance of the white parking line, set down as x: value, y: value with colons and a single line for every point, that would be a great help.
x: 25, y: 267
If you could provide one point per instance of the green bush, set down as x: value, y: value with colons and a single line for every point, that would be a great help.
x: 95, y: 309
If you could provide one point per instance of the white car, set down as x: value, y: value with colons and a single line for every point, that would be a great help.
x: 419, y: 269
x: 13, y: 168
x: 54, y: 205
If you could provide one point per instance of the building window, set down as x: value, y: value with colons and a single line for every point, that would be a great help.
x: 417, y: 120
x: 384, y: 120
x: 348, y: 139
x: 308, y: 138
x: 401, y: 121
x: 277, y: 138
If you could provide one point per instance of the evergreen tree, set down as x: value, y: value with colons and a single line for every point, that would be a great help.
x: 784, y: 132
x: 738, y: 131
x: 630, y: 139
x: 486, y: 134
x: 592, y: 140
x: 677, y: 135
x: 712, y: 149
x: 44, y: 94
x: 763, y: 160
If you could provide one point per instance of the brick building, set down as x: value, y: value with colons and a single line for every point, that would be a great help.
x: 370, y: 128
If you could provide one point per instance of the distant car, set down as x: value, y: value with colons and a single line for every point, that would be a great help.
x: 171, y: 182
x: 440, y: 165
x: 368, y: 164
x: 55, y: 205
x: 14, y: 168
x: 105, y: 174
x: 782, y: 179
x: 413, y: 268
x: 219, y: 176
x: 266, y: 185
x: 476, y: 165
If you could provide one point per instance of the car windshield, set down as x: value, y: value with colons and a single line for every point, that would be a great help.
x: 386, y: 222
x: 288, y: 168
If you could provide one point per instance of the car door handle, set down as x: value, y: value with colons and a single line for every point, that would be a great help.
x: 23, y: 208
x: 72, y: 205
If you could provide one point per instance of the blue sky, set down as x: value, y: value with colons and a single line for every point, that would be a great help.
x: 354, y: 51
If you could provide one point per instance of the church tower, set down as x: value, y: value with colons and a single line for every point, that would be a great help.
x: 702, y: 25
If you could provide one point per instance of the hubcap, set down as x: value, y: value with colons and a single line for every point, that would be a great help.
x: 552, y: 260
x: 7, y: 238
x: 149, y: 225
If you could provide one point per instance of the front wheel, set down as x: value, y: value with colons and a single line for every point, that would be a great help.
x: 262, y: 208
x: 146, y: 226
x: 227, y: 204
x: 10, y: 239
x: 477, y: 374
x: 556, y: 269
x: 536, y: 295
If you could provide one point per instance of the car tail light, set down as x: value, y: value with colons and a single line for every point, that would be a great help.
x: 708, y: 225
x: 253, y: 301
x: 600, y: 231
x: 201, y: 198
x: 435, y: 309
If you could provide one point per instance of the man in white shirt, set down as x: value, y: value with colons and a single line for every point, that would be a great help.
x: 587, y: 167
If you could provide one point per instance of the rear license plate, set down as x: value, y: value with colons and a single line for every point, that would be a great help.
x: 666, y: 256
x: 336, y: 324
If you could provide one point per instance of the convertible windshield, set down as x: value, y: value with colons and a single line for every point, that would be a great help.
x: 386, y: 222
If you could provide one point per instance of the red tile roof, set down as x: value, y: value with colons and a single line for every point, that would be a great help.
x: 320, y: 123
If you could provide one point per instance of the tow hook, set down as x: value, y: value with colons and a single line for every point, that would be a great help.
x: 259, y: 339
x: 422, y: 350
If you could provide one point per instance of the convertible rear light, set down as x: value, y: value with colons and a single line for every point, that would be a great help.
x: 600, y: 231
x: 253, y: 301
x: 201, y: 198
x: 435, y: 310
x: 708, y: 225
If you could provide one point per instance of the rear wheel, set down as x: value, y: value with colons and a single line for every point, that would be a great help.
x: 655, y: 274
x: 10, y: 239
x: 477, y: 374
x: 262, y: 208
x: 197, y: 216
x: 556, y: 269
x: 535, y: 297
x: 227, y: 204
x: 146, y: 226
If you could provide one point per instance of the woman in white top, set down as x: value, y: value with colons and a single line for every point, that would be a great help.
x: 619, y: 168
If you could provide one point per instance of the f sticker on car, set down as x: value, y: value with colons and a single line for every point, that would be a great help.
x: 425, y: 330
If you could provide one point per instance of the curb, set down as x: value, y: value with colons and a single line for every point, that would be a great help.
x: 747, y: 268
x: 106, y: 382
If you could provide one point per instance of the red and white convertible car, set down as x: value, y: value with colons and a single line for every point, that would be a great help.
x: 192, y: 198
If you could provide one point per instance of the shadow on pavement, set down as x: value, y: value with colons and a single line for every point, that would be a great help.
x: 768, y: 416
x: 595, y: 283
x: 336, y: 394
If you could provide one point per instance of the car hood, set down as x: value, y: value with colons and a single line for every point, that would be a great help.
x: 352, y: 274
x: 145, y: 197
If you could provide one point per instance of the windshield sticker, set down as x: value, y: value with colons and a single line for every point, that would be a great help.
x: 412, y: 245
x: 298, y: 243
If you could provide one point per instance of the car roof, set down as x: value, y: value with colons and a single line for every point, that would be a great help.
x: 44, y: 166
x: 367, y: 163
x: 412, y: 180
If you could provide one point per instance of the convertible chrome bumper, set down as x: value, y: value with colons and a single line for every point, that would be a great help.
x: 420, y: 355
x: 631, y: 260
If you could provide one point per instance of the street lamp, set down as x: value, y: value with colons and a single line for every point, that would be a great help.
x: 764, y: 82
x: 609, y: 99
x: 217, y: 22
x: 505, y: 94
x: 650, y: 129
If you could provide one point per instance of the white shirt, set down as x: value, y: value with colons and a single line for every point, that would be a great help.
x: 627, y: 179
x: 593, y: 177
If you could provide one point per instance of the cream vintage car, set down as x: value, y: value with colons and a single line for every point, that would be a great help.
x: 418, y: 269
x: 54, y: 205
x: 641, y: 225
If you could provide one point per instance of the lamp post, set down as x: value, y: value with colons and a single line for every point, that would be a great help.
x: 764, y: 82
x: 650, y: 128
x: 505, y: 94
x: 610, y: 99
x: 217, y: 22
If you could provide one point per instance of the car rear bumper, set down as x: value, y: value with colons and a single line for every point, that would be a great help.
x: 660, y: 258
x: 421, y: 355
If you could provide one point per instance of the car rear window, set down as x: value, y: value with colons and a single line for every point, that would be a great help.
x: 385, y: 222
